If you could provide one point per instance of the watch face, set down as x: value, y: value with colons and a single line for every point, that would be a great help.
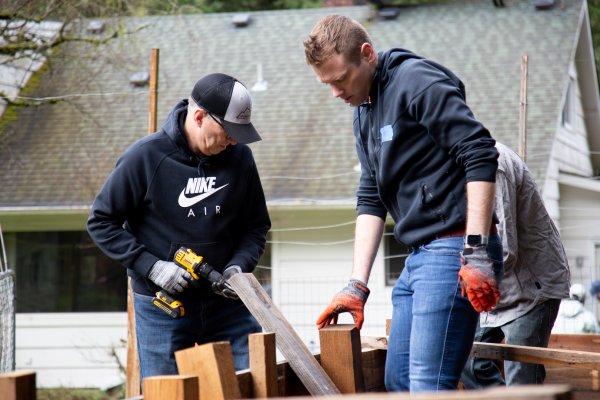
x: 476, y: 240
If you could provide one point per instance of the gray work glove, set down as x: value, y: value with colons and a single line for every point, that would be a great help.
x: 222, y: 288
x: 169, y: 276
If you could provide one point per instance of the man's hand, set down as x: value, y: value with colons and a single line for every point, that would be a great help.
x: 477, y: 278
x: 351, y: 299
x: 222, y: 288
x: 169, y: 276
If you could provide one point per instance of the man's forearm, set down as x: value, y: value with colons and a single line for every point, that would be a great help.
x: 480, y: 205
x: 369, y: 230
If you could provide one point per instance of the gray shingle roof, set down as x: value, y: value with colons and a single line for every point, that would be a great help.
x: 59, y: 154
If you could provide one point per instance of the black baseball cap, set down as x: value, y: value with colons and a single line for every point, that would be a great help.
x: 225, y: 97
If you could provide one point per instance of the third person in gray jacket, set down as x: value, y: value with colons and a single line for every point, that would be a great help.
x: 536, y: 277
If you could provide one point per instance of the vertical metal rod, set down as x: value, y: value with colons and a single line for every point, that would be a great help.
x: 523, y: 109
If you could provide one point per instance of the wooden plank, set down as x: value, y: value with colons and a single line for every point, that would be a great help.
x: 132, y: 371
x: 537, y: 355
x: 172, y: 387
x: 213, y: 364
x: 263, y: 364
x: 582, y: 342
x: 341, y: 357
x: 497, y: 351
x: 289, y: 385
x: 373, y: 367
x: 524, y: 392
x: 18, y: 385
x: 289, y: 343
x: 374, y: 342
x: 586, y: 382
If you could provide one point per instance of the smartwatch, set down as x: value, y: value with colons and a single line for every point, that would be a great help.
x: 476, y: 240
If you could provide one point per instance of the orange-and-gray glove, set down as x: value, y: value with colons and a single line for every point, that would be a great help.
x: 351, y: 299
x: 477, y: 278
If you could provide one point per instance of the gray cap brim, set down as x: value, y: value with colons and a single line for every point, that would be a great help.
x: 241, y: 133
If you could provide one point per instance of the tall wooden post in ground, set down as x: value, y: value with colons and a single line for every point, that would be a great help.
x: 132, y: 383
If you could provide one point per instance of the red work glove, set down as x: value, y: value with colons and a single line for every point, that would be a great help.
x: 477, y: 278
x: 351, y: 299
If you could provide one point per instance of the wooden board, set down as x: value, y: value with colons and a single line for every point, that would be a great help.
x: 263, y: 364
x: 537, y: 355
x: 213, y: 364
x: 586, y: 382
x: 290, y: 345
x: 172, y: 387
x: 525, y: 392
x: 341, y: 357
x: 18, y: 385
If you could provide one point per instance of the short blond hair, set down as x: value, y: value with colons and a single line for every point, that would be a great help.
x: 335, y: 34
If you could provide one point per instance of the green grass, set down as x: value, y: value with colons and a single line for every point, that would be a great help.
x: 80, y: 394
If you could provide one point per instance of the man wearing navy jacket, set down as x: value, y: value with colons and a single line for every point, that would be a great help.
x: 192, y: 184
x: 431, y: 165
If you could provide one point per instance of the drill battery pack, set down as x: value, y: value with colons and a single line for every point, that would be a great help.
x: 168, y: 304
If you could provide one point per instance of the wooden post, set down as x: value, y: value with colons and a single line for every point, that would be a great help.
x: 154, y: 53
x: 341, y: 357
x: 172, y: 387
x: 18, y: 385
x: 263, y: 364
x: 132, y: 380
x: 213, y: 364
x: 523, y: 109
x: 289, y: 343
x: 132, y: 384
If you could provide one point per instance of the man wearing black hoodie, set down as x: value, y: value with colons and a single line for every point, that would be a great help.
x: 428, y: 162
x: 193, y: 184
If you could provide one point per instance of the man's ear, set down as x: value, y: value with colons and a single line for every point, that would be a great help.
x: 199, y: 115
x: 367, y: 52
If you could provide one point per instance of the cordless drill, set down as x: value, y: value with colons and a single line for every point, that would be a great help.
x: 198, y: 269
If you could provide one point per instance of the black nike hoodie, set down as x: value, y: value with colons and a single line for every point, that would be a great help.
x: 162, y: 196
x: 419, y: 144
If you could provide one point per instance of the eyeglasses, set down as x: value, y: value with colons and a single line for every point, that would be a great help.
x: 219, y: 122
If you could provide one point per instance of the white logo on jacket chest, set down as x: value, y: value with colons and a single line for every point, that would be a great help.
x: 200, y: 189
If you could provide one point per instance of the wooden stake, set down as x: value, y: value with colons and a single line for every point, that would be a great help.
x: 213, y: 364
x: 263, y: 364
x: 132, y: 379
x: 523, y: 109
x: 153, y: 89
x: 172, y: 387
x: 132, y: 383
x: 341, y: 357
x: 289, y: 343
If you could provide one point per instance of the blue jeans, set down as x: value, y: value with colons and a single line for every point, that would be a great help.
x: 211, y: 319
x: 433, y: 325
x: 531, y: 329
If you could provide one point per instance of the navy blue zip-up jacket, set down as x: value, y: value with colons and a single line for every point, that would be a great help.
x: 161, y: 196
x: 419, y: 144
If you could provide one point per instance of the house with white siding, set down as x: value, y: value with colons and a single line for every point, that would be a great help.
x: 71, y: 320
